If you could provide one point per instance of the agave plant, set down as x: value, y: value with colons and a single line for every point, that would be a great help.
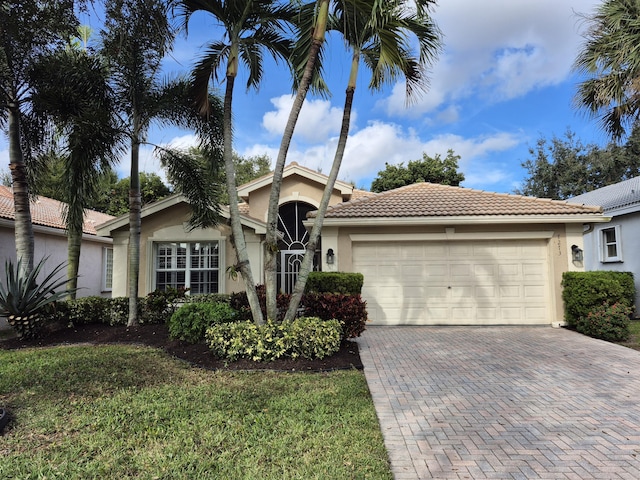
x: 23, y: 299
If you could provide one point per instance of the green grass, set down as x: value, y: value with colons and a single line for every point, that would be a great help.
x: 133, y: 412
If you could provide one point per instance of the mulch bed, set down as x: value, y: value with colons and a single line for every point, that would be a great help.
x: 347, y: 357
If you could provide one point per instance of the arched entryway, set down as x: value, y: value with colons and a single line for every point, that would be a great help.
x: 293, y: 243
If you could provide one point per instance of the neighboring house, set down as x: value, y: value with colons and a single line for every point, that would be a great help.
x: 430, y: 254
x: 50, y: 240
x: 616, y: 245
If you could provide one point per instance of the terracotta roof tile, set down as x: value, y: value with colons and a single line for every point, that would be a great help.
x: 48, y: 212
x: 434, y: 200
x: 357, y: 193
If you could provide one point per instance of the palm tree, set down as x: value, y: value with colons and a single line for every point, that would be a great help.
x: 251, y: 27
x: 611, y: 60
x: 318, y: 13
x: 136, y: 37
x: 383, y: 44
x: 70, y: 88
x: 28, y: 28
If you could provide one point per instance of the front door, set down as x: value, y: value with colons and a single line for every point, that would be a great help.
x: 293, y: 243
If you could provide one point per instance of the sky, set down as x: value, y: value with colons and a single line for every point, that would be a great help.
x: 503, y: 80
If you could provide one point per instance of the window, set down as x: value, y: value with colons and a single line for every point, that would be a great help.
x: 188, y: 265
x: 107, y: 269
x: 610, y: 247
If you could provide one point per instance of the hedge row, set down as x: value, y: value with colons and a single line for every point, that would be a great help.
x: 155, y: 308
x: 304, y: 337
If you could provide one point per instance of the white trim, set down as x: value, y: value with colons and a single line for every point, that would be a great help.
x: 57, y: 232
x: 153, y: 248
x: 602, y: 247
x: 105, y: 265
x: 107, y: 228
x: 449, y: 234
x: 462, y: 220
x: 292, y: 169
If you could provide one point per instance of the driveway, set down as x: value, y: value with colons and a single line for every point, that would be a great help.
x: 504, y: 402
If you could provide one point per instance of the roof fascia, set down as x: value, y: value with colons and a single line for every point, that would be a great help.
x: 462, y: 220
x: 106, y: 228
x: 56, y: 232
x: 247, y: 188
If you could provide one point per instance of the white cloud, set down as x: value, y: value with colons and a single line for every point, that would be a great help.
x: 378, y: 143
x: 499, y: 50
x: 318, y: 120
x: 148, y: 163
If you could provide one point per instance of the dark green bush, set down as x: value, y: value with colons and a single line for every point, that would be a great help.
x: 304, y: 337
x: 335, y: 282
x: 584, y: 291
x: 207, y: 298
x: 240, y: 303
x: 606, y: 322
x: 190, y: 321
x: 158, y: 306
x: 89, y: 310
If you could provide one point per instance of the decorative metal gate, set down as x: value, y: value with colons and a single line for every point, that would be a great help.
x: 293, y: 243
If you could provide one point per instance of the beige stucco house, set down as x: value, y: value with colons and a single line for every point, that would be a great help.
x: 430, y: 254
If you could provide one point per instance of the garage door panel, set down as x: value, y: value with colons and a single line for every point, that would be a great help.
x: 510, y: 292
x: 461, y: 282
x: 534, y: 291
x: 484, y: 270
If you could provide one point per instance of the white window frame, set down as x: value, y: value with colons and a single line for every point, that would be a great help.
x: 107, y: 269
x: 603, y: 245
x: 188, y: 268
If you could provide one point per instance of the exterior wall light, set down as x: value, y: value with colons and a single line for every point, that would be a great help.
x: 576, y: 253
x: 330, y: 256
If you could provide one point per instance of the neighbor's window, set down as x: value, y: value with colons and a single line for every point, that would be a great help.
x: 188, y: 265
x: 107, y: 269
x: 610, y: 246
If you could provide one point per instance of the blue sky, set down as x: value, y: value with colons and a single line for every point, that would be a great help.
x: 504, y: 79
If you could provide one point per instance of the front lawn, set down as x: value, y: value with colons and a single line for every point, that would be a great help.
x: 133, y: 412
x: 634, y: 337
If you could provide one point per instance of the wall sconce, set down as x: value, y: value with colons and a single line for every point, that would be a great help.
x: 576, y: 253
x: 330, y: 256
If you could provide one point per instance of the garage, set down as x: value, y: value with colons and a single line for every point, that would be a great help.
x: 492, y: 282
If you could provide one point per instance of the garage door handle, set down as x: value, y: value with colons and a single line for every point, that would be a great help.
x: 449, y: 287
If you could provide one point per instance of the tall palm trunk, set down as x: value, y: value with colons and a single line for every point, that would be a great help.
x: 23, y: 225
x: 135, y: 206
x: 307, y: 261
x: 271, y: 241
x: 74, y: 243
x: 239, y: 243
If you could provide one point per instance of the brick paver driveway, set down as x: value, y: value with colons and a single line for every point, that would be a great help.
x: 504, y: 402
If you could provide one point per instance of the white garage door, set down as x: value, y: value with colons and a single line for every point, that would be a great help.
x: 455, y: 283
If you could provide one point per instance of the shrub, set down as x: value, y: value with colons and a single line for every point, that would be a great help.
x: 304, y: 337
x: 313, y: 337
x: 335, y: 282
x: 89, y: 310
x: 159, y: 305
x: 190, y: 322
x: 240, y: 303
x: 118, y: 313
x: 349, y: 310
x: 207, y: 298
x: 606, y: 322
x: 583, y: 291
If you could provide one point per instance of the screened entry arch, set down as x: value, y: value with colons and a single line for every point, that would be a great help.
x: 293, y: 243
